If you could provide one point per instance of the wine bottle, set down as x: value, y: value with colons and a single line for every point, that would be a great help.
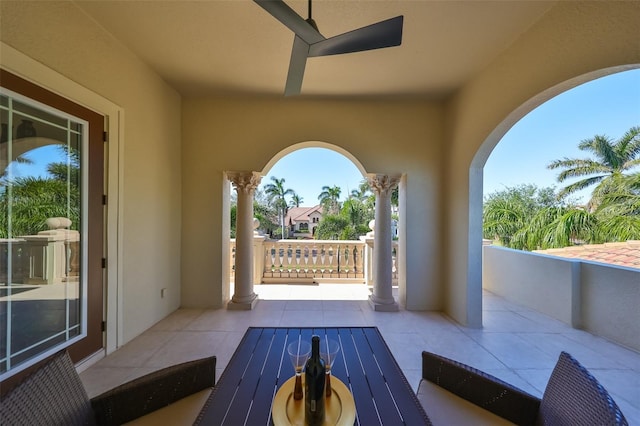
x: 314, y: 376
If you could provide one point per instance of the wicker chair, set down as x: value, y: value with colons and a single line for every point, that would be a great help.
x: 572, y: 396
x: 54, y: 394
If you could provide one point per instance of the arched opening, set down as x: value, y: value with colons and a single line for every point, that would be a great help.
x: 297, y: 250
x: 476, y: 183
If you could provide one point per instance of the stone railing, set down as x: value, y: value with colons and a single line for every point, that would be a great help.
x: 306, y: 261
x: 49, y: 257
x: 313, y: 260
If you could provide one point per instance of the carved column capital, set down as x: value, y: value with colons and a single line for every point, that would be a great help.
x: 245, y: 182
x: 382, y: 184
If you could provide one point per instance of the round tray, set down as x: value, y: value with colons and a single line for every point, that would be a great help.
x: 340, y: 409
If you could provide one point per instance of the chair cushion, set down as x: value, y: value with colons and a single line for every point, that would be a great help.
x: 52, y: 395
x: 446, y: 408
x: 182, y: 412
x: 574, y: 397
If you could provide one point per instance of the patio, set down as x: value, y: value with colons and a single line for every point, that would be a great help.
x: 517, y: 344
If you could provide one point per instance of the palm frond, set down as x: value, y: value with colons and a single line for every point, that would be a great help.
x: 620, y: 228
x: 577, y: 186
x: 603, y: 148
x: 630, y: 142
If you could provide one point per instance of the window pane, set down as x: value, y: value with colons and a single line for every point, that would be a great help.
x: 41, y: 292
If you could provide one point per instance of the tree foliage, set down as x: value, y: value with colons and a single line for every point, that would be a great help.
x: 542, y: 222
x: 349, y: 224
x: 329, y: 199
x: 27, y: 202
x: 609, y: 160
x: 277, y: 194
x: 296, y: 200
x: 508, y: 211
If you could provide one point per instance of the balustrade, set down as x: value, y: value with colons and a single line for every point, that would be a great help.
x: 51, y: 257
x: 311, y: 261
x: 300, y: 259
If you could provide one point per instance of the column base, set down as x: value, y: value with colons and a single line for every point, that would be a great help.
x: 391, y: 306
x: 243, y: 305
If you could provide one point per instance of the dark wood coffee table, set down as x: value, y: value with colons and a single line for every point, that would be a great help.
x: 260, y: 365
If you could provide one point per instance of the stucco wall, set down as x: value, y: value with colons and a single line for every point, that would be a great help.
x: 602, y: 299
x: 573, y: 43
x: 544, y: 283
x: 63, y: 38
x: 619, y: 318
x: 245, y: 134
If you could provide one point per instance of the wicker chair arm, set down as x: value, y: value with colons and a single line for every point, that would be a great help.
x: 153, y: 391
x: 482, y: 389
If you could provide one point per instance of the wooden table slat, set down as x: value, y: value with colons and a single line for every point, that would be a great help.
x: 357, y: 381
x: 410, y: 408
x: 277, y: 370
x: 246, y: 389
x: 215, y: 408
x: 379, y: 390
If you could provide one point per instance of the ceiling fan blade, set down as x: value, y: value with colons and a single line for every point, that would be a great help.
x: 376, y: 36
x: 297, y: 65
x: 283, y: 13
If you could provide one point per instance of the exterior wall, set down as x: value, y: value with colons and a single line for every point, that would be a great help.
x: 620, y: 288
x: 602, y: 299
x: 573, y: 43
x: 545, y: 283
x: 386, y: 137
x: 59, y: 35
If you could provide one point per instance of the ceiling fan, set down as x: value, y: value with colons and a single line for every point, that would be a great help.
x: 308, y: 41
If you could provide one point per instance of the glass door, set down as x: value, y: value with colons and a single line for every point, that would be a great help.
x: 51, y: 178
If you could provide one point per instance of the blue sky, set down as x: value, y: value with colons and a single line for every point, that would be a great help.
x: 608, y: 106
x: 307, y: 170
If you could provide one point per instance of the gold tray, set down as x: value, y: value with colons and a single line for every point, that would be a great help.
x: 340, y: 409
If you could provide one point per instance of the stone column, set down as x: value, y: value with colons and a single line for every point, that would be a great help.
x: 382, y: 297
x: 245, y: 184
x: 258, y: 253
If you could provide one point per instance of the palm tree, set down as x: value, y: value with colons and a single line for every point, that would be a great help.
x: 296, y: 200
x: 329, y: 198
x: 612, y: 158
x: 277, y: 194
x: 363, y: 192
x: 554, y: 227
x: 619, y: 211
x: 20, y: 159
x: 32, y: 200
x: 27, y: 202
x: 502, y: 219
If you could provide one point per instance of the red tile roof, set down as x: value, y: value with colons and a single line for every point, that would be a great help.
x: 300, y: 214
x: 623, y: 254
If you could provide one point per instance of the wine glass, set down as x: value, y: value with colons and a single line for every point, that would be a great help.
x: 299, y: 352
x: 328, y: 351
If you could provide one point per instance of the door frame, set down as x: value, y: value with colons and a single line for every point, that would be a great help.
x: 25, y: 67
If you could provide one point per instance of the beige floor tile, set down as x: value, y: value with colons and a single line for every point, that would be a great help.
x: 139, y: 351
x: 178, y: 320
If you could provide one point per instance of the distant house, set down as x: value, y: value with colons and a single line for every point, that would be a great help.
x: 301, y: 222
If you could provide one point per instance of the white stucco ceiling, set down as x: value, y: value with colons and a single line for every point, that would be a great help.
x: 235, y: 47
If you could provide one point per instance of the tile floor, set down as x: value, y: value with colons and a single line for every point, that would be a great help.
x: 517, y: 344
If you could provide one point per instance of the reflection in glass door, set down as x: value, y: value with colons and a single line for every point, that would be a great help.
x: 43, y: 286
